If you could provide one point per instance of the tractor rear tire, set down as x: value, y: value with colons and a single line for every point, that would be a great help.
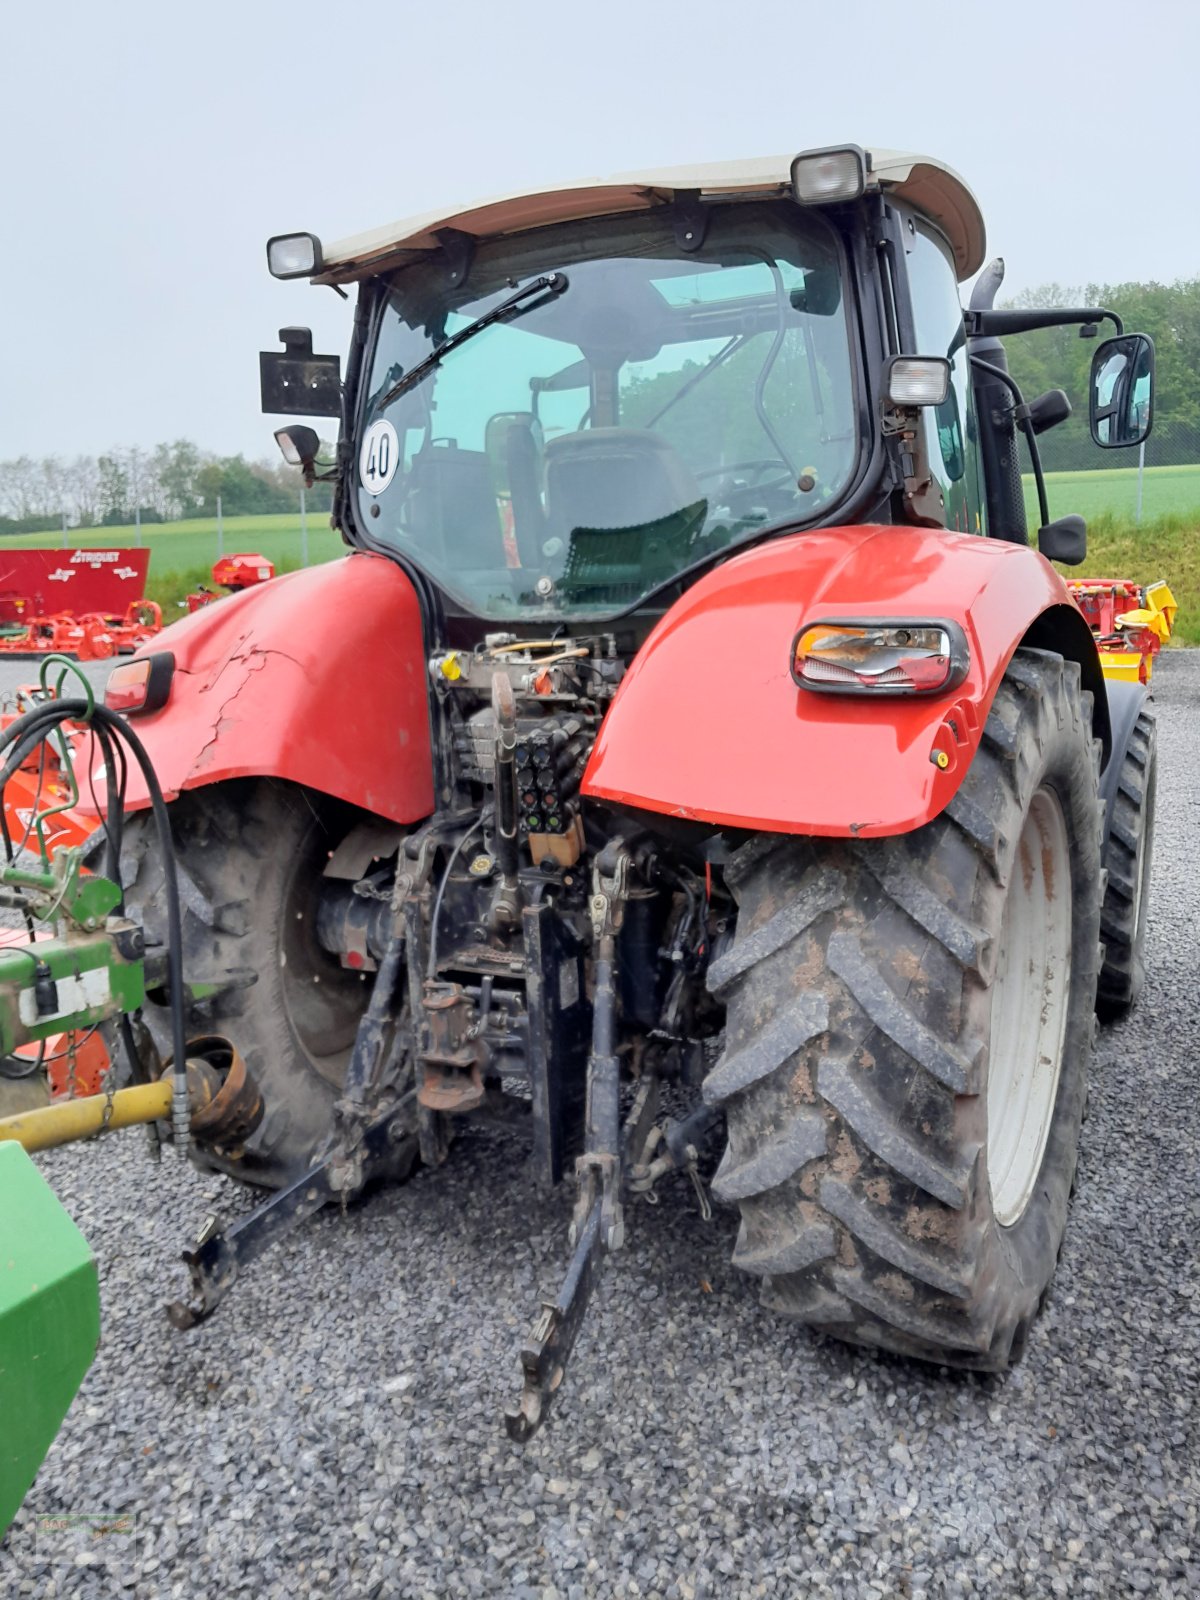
x: 909, y: 1023
x: 250, y: 855
x: 1130, y: 849
x: 19, y: 1095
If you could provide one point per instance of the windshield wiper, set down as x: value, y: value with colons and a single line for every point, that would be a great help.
x: 548, y: 287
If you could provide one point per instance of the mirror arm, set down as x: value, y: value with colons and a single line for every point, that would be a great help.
x: 987, y: 322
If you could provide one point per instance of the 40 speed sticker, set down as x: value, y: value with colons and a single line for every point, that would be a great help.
x: 379, y: 457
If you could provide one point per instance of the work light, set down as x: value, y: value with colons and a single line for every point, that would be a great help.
x: 820, y: 177
x: 294, y: 255
x: 917, y: 380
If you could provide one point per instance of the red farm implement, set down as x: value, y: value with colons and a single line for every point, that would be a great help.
x: 88, y: 604
x: 1129, y: 623
x: 233, y: 573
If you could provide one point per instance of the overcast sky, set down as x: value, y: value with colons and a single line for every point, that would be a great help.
x: 150, y: 149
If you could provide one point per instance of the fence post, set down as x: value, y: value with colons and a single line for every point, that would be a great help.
x: 64, y: 530
x: 220, y: 531
x: 137, y: 526
x: 1137, y: 516
x: 303, y: 532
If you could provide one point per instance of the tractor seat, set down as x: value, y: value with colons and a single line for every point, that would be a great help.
x: 452, y: 506
x: 614, y: 478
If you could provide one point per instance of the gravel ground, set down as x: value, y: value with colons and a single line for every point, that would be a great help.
x: 336, y: 1429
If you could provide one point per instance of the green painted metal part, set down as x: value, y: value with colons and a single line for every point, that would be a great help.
x: 92, y: 981
x: 49, y: 1321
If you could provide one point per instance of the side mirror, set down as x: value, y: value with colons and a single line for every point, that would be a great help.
x: 298, y: 445
x: 1064, y: 540
x: 1048, y: 410
x: 294, y: 382
x: 821, y: 295
x: 1121, y: 399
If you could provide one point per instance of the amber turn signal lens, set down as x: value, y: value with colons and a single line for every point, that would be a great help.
x: 885, y: 657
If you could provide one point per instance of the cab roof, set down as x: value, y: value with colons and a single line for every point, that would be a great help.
x: 929, y: 186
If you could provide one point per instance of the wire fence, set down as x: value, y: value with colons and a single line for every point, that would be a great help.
x: 1070, y: 449
x: 1159, y: 478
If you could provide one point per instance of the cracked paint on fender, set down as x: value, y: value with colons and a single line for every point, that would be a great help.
x: 317, y: 677
x: 709, y: 725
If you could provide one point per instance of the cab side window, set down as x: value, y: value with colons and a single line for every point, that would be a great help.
x: 937, y: 317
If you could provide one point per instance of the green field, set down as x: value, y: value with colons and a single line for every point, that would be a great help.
x: 175, y: 545
x: 1166, y: 491
x: 1168, y: 547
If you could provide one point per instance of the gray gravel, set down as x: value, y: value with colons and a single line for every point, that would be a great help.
x: 336, y: 1429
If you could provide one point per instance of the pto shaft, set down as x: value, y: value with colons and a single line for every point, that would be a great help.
x: 49, y: 1126
x: 224, y: 1105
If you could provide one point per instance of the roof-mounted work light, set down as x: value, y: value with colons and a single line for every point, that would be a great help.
x: 821, y: 177
x: 294, y: 255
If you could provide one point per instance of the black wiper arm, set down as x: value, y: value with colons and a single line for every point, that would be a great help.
x: 548, y: 286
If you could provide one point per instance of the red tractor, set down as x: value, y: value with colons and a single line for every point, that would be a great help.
x: 691, y: 710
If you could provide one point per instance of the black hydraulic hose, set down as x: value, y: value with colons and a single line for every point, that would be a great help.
x: 25, y: 734
x: 180, y: 1110
x: 1025, y: 425
x: 431, y: 969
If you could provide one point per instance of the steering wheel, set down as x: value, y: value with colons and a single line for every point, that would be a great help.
x: 757, y: 471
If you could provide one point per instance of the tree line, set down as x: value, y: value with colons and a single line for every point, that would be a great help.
x: 164, y: 484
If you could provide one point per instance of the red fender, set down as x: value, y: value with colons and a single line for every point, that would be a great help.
x: 709, y: 725
x: 317, y: 677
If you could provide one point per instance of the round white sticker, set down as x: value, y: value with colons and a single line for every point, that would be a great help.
x: 378, y: 457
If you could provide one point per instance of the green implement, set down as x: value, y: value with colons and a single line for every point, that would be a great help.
x: 49, y: 1321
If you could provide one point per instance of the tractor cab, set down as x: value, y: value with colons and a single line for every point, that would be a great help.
x: 564, y: 406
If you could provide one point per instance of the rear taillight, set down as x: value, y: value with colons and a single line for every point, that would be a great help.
x: 888, y: 656
x: 140, y: 685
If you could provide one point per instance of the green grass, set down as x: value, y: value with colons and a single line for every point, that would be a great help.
x: 1166, y: 491
x: 1168, y: 547
x: 1165, y: 544
x: 194, y: 543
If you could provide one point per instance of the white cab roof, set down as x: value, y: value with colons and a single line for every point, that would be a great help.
x: 927, y: 185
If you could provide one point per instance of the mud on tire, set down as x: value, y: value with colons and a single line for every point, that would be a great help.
x: 250, y: 855
x: 860, y: 990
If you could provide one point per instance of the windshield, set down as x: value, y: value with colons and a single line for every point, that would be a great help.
x: 597, y: 439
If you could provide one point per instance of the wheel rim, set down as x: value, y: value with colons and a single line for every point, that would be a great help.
x: 1029, y: 1008
x: 324, y: 1001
